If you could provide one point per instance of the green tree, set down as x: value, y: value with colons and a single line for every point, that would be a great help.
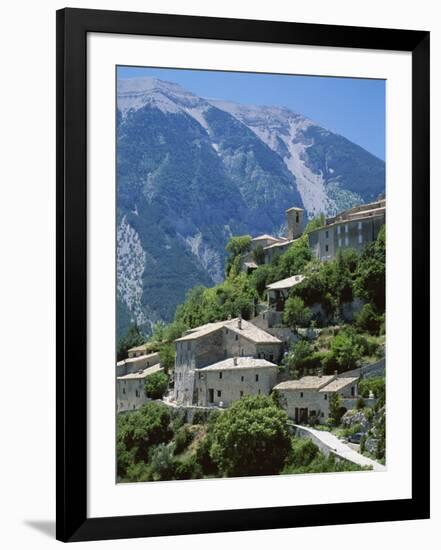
x: 315, y: 223
x: 132, y: 338
x: 139, y: 431
x: 259, y: 255
x: 294, y: 260
x: 296, y: 313
x: 370, y: 282
x: 297, y: 354
x: 368, y: 320
x: 167, y: 357
x: 236, y: 247
x: 156, y: 385
x: 251, y: 438
x: 347, y: 348
x: 335, y: 410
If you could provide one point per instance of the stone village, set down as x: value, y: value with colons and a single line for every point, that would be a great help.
x: 218, y: 363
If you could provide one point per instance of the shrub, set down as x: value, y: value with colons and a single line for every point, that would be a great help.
x: 296, y: 313
x: 138, y: 432
x: 360, y: 403
x: 368, y: 320
x: 251, y: 438
x: 156, y: 385
x: 188, y: 468
x: 182, y: 439
x: 203, y: 456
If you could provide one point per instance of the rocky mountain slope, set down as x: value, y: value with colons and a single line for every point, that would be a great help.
x: 191, y: 172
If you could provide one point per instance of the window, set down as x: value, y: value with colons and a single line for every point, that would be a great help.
x: 259, y: 391
x: 188, y: 346
x: 241, y: 378
x: 301, y: 394
x: 322, y: 414
x: 219, y: 393
x: 327, y: 234
x: 360, y: 225
x: 257, y: 378
x: 241, y: 352
x: 220, y: 375
x: 137, y: 393
x: 338, y: 229
x: 297, y: 217
x: 241, y: 393
x: 360, y: 238
x: 339, y: 242
x: 271, y: 357
x: 326, y: 248
x: 346, y: 241
x: 199, y: 375
x: 124, y: 391
x: 352, y: 391
x: 346, y: 228
x: 237, y: 337
x: 326, y: 396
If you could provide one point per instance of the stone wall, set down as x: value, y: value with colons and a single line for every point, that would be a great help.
x: 230, y: 385
x: 130, y: 394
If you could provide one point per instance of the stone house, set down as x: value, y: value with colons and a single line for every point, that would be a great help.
x: 278, y: 292
x: 136, y: 363
x: 227, y: 381
x: 215, y: 342
x: 353, y: 228
x: 137, y: 351
x: 130, y: 394
x: 276, y: 245
x: 309, y: 397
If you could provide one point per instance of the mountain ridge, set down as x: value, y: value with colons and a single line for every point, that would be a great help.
x: 193, y: 171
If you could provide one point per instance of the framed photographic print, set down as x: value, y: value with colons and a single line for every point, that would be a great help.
x: 240, y: 342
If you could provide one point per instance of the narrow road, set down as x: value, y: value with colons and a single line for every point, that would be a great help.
x: 333, y: 443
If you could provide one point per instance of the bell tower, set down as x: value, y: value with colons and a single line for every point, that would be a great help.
x: 294, y: 219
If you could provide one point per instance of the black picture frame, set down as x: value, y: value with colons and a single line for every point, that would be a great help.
x: 71, y: 510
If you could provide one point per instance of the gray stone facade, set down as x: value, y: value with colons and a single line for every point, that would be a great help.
x: 227, y: 381
x: 215, y: 342
x: 309, y: 397
x: 354, y: 228
x: 130, y: 393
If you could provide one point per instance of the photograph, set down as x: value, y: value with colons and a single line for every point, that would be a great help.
x: 250, y: 274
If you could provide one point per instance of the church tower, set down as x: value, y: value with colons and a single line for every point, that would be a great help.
x: 294, y: 218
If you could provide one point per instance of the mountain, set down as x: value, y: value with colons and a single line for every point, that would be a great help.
x: 192, y: 171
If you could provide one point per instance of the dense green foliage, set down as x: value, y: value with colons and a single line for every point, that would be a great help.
x: 376, y: 385
x: 138, y: 432
x: 251, y: 438
x: 132, y: 338
x: 156, y: 385
x: 296, y: 314
x: 233, y: 297
x: 306, y: 458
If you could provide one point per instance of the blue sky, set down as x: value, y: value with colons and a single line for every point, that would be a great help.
x: 352, y: 107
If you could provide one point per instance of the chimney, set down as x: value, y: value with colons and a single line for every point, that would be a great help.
x: 239, y: 322
x: 235, y: 361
